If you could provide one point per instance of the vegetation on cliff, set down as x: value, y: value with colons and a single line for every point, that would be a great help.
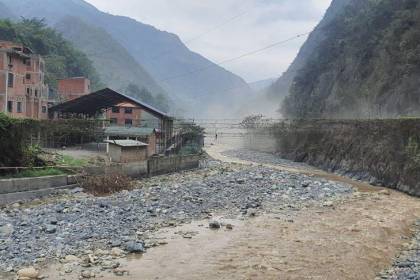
x: 368, y: 65
x: 62, y: 60
x: 116, y: 67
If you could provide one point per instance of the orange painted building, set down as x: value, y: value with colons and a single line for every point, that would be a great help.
x: 72, y: 88
x: 23, y: 92
x: 124, y: 114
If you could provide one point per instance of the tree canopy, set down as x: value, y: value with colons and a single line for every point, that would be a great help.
x: 62, y: 60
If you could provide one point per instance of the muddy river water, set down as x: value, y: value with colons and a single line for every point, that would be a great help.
x: 356, y: 238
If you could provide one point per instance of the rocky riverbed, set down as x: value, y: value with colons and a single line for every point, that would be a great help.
x: 266, y: 158
x: 77, y: 225
x: 407, y: 264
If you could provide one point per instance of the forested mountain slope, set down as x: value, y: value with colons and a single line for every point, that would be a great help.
x: 112, y: 61
x: 172, y: 65
x: 280, y: 89
x: 368, y: 65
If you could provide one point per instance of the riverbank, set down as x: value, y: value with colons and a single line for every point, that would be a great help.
x: 295, y: 224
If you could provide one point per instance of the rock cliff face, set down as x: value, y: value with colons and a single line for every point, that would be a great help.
x: 367, y: 64
x: 280, y: 89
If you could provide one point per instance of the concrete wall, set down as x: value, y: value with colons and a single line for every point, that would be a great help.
x: 133, y: 169
x: 31, y: 184
x: 153, y: 166
x: 12, y: 190
x: 163, y: 165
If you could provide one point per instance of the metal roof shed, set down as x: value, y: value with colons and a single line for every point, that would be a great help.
x: 125, y: 151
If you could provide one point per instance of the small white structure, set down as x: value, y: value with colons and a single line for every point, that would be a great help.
x: 125, y: 151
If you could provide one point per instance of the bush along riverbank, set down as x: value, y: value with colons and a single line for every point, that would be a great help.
x: 381, y: 152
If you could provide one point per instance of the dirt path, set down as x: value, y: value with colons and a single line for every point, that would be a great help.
x: 353, y: 239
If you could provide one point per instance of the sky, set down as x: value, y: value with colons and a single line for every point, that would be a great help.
x: 223, y: 29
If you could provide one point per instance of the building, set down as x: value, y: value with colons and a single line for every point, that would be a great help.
x: 126, y: 151
x: 125, y: 114
x: 148, y: 124
x: 23, y: 92
x: 72, y: 88
x: 150, y: 136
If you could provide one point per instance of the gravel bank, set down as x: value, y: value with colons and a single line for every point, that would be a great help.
x: 265, y: 158
x: 407, y: 264
x: 81, y: 222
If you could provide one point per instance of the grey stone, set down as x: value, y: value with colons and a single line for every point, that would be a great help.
x: 6, y: 230
x: 214, y: 225
x: 50, y: 229
x: 135, y: 247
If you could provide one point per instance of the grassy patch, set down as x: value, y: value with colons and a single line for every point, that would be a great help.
x: 70, y: 161
x: 30, y: 173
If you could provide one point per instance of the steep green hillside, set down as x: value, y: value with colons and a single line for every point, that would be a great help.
x: 280, y: 89
x: 162, y: 54
x: 61, y: 58
x: 116, y: 67
x: 368, y: 65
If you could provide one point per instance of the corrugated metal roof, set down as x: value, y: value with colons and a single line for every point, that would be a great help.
x: 91, y: 104
x: 127, y: 143
x: 128, y: 131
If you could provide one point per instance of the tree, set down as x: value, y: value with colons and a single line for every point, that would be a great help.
x: 62, y: 60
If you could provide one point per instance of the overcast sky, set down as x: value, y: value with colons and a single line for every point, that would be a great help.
x: 257, y: 23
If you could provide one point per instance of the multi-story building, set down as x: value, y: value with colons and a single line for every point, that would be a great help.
x: 23, y: 92
x: 72, y: 88
x: 125, y: 114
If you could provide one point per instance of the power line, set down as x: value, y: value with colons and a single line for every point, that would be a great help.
x: 199, y: 36
x: 217, y: 27
x: 234, y: 58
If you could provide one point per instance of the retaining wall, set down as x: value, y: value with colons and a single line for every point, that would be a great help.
x: 12, y: 190
x: 382, y: 152
x: 133, y: 169
x: 32, y: 184
x: 163, y: 165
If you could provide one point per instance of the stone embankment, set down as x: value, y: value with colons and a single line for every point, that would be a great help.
x: 77, y: 225
x: 381, y: 152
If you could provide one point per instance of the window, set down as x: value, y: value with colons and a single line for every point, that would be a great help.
x: 19, y: 107
x: 128, y: 110
x: 28, y: 91
x: 44, y: 109
x: 10, y: 106
x: 115, y: 109
x: 128, y: 122
x: 10, y: 80
x: 36, y: 93
x: 114, y: 121
x: 10, y: 60
x: 28, y: 76
x: 28, y: 62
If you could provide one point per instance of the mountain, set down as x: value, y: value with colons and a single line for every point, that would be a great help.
x: 5, y: 12
x: 280, y: 89
x: 112, y: 61
x: 367, y: 65
x: 261, y: 86
x: 187, y: 76
x: 61, y: 58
